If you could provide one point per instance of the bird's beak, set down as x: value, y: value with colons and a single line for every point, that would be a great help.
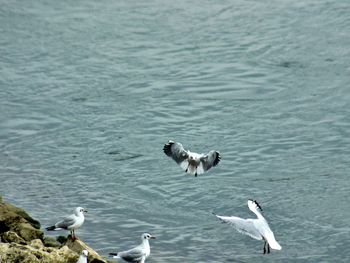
x: 152, y: 237
x: 85, y: 211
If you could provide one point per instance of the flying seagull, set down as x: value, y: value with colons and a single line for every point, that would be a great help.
x: 256, y: 228
x: 71, y: 222
x: 137, y: 254
x: 192, y: 163
x: 83, y: 256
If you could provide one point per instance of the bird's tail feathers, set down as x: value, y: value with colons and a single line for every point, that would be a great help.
x: 50, y: 228
x: 114, y: 255
x: 274, y: 245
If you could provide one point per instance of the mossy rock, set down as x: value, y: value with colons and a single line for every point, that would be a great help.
x: 17, y: 220
x: 12, y: 237
x: 78, y: 246
x: 51, y: 242
x: 25, y: 243
x: 16, y: 253
x: 62, y: 239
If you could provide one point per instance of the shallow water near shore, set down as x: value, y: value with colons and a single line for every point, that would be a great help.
x: 90, y: 92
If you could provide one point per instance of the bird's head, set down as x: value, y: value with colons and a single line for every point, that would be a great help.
x: 147, y: 236
x: 79, y: 210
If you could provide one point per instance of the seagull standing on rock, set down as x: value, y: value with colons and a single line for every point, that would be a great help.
x: 137, y: 254
x: 256, y: 228
x: 192, y: 163
x: 71, y: 222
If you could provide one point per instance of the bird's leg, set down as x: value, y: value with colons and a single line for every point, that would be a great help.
x: 268, y: 248
x: 74, y: 237
x: 195, y: 172
x: 265, y: 247
x: 187, y: 167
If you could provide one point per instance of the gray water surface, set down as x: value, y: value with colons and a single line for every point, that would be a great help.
x: 91, y: 90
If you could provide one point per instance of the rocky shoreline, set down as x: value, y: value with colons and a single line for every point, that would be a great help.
x: 22, y: 241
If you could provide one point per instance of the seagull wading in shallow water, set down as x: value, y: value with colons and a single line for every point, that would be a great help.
x: 71, y: 222
x: 137, y: 254
x: 255, y: 228
x: 192, y: 163
x: 83, y: 256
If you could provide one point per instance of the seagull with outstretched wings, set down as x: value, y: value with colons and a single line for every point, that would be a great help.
x: 192, y: 163
x: 256, y: 228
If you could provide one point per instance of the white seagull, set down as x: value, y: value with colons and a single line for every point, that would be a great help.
x: 83, y: 256
x: 71, y: 222
x: 192, y: 163
x: 137, y: 254
x: 255, y: 228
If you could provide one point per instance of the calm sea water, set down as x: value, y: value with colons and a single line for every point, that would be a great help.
x: 91, y: 90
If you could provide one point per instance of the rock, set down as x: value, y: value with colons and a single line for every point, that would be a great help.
x: 22, y: 242
x: 17, y: 220
x: 17, y: 253
x: 78, y: 246
x: 62, y: 239
x: 51, y: 242
x: 36, y: 243
x: 21, y: 213
x: 12, y: 237
x: 28, y: 232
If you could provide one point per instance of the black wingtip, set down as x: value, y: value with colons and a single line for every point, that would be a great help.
x: 167, y: 148
x: 217, y: 158
x: 50, y: 228
x: 257, y: 204
x: 113, y: 254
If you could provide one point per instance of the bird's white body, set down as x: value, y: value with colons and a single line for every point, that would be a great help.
x: 77, y: 220
x: 191, y: 162
x: 144, y: 249
x: 83, y: 257
x: 137, y: 254
x: 256, y: 228
x: 71, y: 222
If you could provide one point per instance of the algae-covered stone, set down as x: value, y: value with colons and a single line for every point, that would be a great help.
x: 11, y: 218
x: 22, y: 242
x: 28, y: 218
x: 28, y: 232
x: 12, y: 237
x: 17, y: 253
x: 51, y: 242
x: 79, y: 246
x: 20, y: 212
x: 62, y: 239
x: 36, y: 243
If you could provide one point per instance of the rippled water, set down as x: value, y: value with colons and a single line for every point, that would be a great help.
x: 91, y: 90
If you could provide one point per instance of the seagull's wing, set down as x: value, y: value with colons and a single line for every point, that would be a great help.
x: 66, y: 222
x: 135, y: 255
x: 176, y: 151
x: 243, y: 226
x: 267, y: 233
x: 210, y: 159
